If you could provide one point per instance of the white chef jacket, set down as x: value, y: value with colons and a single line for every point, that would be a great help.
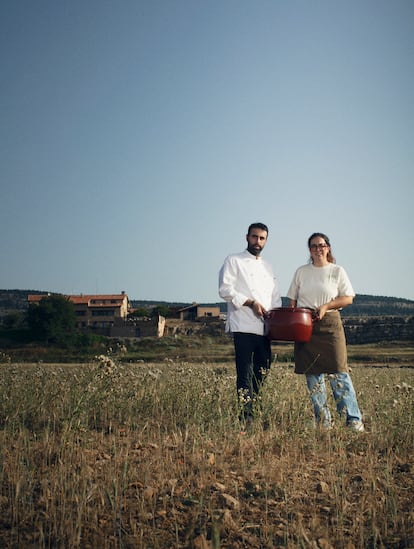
x: 244, y: 276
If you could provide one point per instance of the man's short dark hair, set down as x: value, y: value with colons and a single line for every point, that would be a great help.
x: 260, y: 226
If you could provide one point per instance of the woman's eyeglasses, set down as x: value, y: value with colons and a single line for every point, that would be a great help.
x: 318, y: 246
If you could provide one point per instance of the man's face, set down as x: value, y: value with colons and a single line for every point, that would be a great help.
x: 256, y: 241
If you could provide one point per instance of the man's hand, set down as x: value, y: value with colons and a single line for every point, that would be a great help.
x: 258, y: 309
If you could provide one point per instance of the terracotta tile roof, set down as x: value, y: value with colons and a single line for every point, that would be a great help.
x: 83, y: 299
x: 34, y: 298
x: 78, y: 299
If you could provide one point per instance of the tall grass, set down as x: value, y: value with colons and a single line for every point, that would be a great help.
x: 149, y: 456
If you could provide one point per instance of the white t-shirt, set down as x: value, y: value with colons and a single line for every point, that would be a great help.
x: 314, y: 286
x: 244, y: 276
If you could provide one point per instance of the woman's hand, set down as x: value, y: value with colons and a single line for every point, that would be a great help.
x: 321, y: 311
x: 335, y: 304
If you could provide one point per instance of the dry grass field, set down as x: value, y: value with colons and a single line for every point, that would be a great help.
x: 148, y: 455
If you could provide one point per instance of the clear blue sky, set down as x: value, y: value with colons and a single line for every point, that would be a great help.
x: 140, y: 138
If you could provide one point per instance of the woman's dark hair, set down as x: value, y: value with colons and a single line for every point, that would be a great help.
x: 329, y: 257
x: 260, y: 226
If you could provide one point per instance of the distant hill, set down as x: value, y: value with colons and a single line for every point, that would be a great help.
x: 370, y: 305
x: 15, y: 300
x: 364, y: 305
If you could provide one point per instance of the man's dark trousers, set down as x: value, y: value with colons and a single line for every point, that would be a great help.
x: 253, y: 358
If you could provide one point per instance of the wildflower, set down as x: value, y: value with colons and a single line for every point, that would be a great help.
x: 5, y: 358
x: 106, y: 365
x: 244, y: 396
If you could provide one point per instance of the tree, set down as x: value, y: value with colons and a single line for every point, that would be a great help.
x: 13, y: 320
x: 162, y: 310
x: 140, y: 312
x: 52, y: 320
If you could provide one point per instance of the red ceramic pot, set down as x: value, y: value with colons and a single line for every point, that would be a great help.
x: 289, y: 324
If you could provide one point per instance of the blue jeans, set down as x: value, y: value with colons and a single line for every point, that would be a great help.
x: 343, y: 392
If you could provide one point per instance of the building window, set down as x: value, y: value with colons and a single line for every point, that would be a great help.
x: 103, y: 312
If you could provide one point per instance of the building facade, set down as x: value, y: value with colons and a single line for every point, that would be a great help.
x: 196, y: 311
x: 95, y: 311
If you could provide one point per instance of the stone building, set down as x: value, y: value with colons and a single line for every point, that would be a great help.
x: 94, y: 311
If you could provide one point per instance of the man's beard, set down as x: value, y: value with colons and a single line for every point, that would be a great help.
x: 254, y: 251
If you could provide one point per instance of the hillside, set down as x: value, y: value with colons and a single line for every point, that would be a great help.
x: 12, y: 301
x: 15, y: 300
x: 367, y: 305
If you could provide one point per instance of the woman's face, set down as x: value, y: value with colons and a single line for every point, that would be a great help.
x: 319, y: 250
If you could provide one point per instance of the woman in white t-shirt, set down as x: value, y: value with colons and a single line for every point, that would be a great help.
x: 325, y: 287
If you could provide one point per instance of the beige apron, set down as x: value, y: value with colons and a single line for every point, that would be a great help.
x: 326, y: 352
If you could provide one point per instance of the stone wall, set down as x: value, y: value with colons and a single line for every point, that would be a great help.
x: 139, y: 327
x: 373, y: 329
x: 358, y: 330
